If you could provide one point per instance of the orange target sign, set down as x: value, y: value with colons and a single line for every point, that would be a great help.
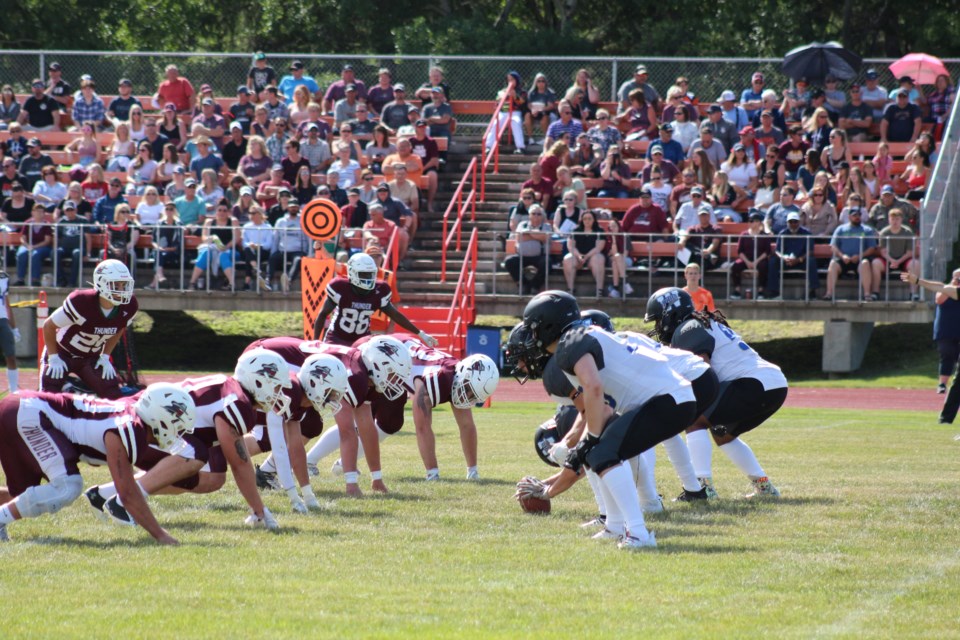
x: 320, y: 219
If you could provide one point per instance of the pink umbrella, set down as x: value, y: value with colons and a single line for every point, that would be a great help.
x: 922, y: 67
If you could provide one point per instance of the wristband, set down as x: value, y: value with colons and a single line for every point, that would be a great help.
x: 376, y: 475
x: 351, y: 477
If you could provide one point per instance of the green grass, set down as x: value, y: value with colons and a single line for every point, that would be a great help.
x: 862, y: 544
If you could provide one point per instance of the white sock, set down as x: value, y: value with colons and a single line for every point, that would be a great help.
x: 107, y: 490
x: 643, y: 478
x: 268, y: 465
x: 700, y: 446
x: 650, y: 459
x: 13, y: 379
x: 614, y: 521
x: 624, y: 493
x: 6, y: 517
x: 472, y: 469
x: 327, y: 444
x: 679, y: 457
x: 595, y: 484
x: 742, y: 455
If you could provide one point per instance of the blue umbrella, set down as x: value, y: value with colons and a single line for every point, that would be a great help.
x: 817, y: 60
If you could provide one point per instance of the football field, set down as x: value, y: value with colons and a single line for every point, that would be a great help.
x: 864, y: 543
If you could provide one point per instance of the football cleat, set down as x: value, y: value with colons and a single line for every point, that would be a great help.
x: 693, y: 496
x: 4, y: 536
x: 763, y: 488
x: 606, y: 534
x: 267, y: 479
x: 96, y: 500
x: 599, y: 521
x: 473, y: 475
x: 312, y: 470
x: 115, y: 512
x: 432, y: 475
x: 653, y: 507
x: 337, y: 468
x: 632, y: 543
x: 707, y: 483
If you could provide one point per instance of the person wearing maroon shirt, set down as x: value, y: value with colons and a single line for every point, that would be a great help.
x: 337, y: 90
x: 645, y: 218
x: 793, y: 151
x: 292, y: 162
x: 382, y: 93
x: 426, y: 149
x: 754, y: 249
x: 540, y: 185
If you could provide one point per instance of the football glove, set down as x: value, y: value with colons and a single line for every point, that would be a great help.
x: 56, y: 367
x: 103, y: 362
x: 266, y: 522
x: 558, y: 453
x: 16, y: 334
x: 296, y: 502
x: 530, y: 487
x: 427, y: 339
x: 310, y: 499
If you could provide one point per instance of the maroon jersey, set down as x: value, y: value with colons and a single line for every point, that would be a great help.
x: 82, y: 327
x: 219, y: 396
x: 434, y: 367
x: 295, y: 351
x: 351, y: 318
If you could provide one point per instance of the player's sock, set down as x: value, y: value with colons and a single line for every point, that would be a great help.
x: 700, y: 445
x: 327, y: 444
x: 679, y: 456
x: 623, y: 491
x: 268, y: 465
x: 596, y: 485
x: 143, y: 492
x: 643, y: 479
x: 13, y: 379
x: 6, y: 517
x: 742, y: 455
x: 614, y: 521
x: 108, y: 490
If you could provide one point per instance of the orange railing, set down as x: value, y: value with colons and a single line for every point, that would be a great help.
x: 500, y: 123
x: 460, y: 205
x: 463, y: 308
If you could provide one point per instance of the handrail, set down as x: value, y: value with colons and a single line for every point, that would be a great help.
x: 464, y: 303
x: 457, y: 201
x: 392, y: 258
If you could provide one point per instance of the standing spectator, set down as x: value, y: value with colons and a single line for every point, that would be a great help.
x: 119, y: 107
x: 49, y: 191
x: 528, y: 266
x: 899, y: 251
x: 295, y: 79
x: 639, y: 81
x: 438, y: 114
x: 316, y: 150
x: 515, y: 104
x: 946, y: 333
x: 261, y: 75
x: 751, y: 99
x: 235, y: 148
x: 874, y: 94
x: 243, y: 111
x: 737, y: 116
x: 255, y: 165
x: 167, y: 243
x: 427, y: 150
x: 714, y: 149
x: 36, y: 244
x: 754, y: 249
x: 205, y: 159
x: 32, y: 164
x: 176, y: 90
x: 9, y: 107
x: 856, y: 118
x: 793, y: 250
x: 70, y: 236
x: 89, y: 107
x: 58, y: 88
x: 337, y: 90
x: 40, y: 112
x: 776, y: 219
x: 702, y: 298
x: 585, y: 250
x: 901, y: 120
x: 258, y: 240
x: 382, y: 93
x: 393, y: 115
x: 854, y: 244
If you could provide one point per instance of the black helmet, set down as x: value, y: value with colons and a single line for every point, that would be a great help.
x: 598, y: 319
x: 552, y: 431
x: 518, y: 350
x: 547, y: 315
x: 668, y: 307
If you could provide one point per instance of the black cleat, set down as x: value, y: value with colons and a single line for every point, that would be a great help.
x: 96, y: 500
x: 692, y: 496
x: 266, y: 479
x: 115, y: 511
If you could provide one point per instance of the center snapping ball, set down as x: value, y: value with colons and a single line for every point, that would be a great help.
x: 536, y: 506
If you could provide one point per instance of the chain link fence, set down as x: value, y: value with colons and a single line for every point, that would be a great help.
x: 470, y: 77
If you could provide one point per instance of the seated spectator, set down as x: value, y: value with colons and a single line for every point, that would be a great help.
x: 244, y: 205
x: 520, y: 212
x: 940, y: 100
x: 16, y: 143
x: 901, y: 120
x: 640, y: 117
x: 817, y: 129
x: 724, y: 197
x: 316, y: 150
x: 775, y: 220
x: 298, y: 108
x: 899, y: 251
x: 220, y: 240
x: 514, y: 108
x: 59, y: 89
x: 540, y: 185
x: 32, y: 164
x: 657, y: 162
x: 676, y: 104
x: 438, y: 115
x: 332, y: 189
x: 143, y: 170
x: 856, y: 184
x: 170, y: 126
x: 671, y: 149
x: 235, y: 148
x: 565, y: 126
x: 381, y: 93
x: 268, y: 190
x: 766, y: 134
x: 752, y: 147
x: 176, y: 187
x: 75, y: 195
x: 770, y: 103
x: 751, y: 98
x: 36, y: 245
x: 338, y: 90
x: 276, y: 108
x: 659, y: 189
x: 714, y: 149
x: 149, y: 210
x: 346, y: 107
x: 796, y: 100
x: 811, y: 167
x: 121, y: 235
x: 583, y: 83
x: 702, y: 298
x: 681, y: 131
x: 122, y: 150
x: 602, y: 133
x: 95, y: 185
x: 566, y: 183
x: 579, y: 108
x: 926, y: 147
x: 617, y: 249
x: 403, y: 189
x: 528, y: 265
x: 355, y: 214
x: 771, y: 163
x: 138, y: 126
x: 293, y: 161
x: 210, y: 192
x: 723, y: 131
x: 261, y: 75
x: 639, y: 81
x: 836, y: 152
x: 854, y: 245
x: 856, y: 118
x: 836, y: 100
x: 255, y: 165
x: 646, y: 217
x: 615, y: 174
x: 396, y: 211
x: 542, y: 103
x: 793, y: 250
x: 168, y: 244
x: 39, y: 112
x: 682, y: 193
x: 567, y: 216
x: 9, y: 107
x: 754, y: 249
x: 258, y: 241
x: 584, y: 159
x: 191, y: 210
x: 70, y: 232
x: 427, y: 150
x: 434, y: 79
x: 404, y: 155
x: 49, y: 192
x: 741, y: 171
x: 585, y: 250
x: 553, y: 158
x: 793, y: 152
x: 296, y: 78
x: 347, y: 140
x: 880, y: 213
x: 89, y: 107
x: 302, y: 187
x: 914, y: 178
x: 85, y: 150
x: 906, y: 84
x: 18, y: 207
x: 822, y: 181
x: 348, y: 170
x: 176, y: 90
x: 277, y: 142
x: 8, y: 176
x: 408, y: 130
x: 703, y: 241
x: 820, y: 216
x: 368, y: 190
x: 380, y: 229
x: 393, y: 115
x: 205, y: 160
x: 104, y: 208
x: 737, y: 116
x: 243, y: 110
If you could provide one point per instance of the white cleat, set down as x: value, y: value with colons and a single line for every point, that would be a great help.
x: 763, y: 488
x: 312, y: 470
x: 606, y: 534
x: 654, y: 507
x: 473, y: 475
x: 337, y: 468
x: 632, y: 543
x: 599, y: 521
x: 432, y: 476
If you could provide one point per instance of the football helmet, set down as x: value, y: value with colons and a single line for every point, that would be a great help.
x: 598, y: 319
x: 389, y: 364
x: 552, y: 431
x: 324, y: 380
x: 362, y: 271
x: 264, y: 375
x: 519, y: 360
x: 112, y: 280
x: 474, y: 380
x: 668, y: 308
x: 547, y: 315
x: 167, y: 410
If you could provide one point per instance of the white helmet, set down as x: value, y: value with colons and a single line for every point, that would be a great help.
x: 168, y: 411
x: 389, y: 364
x: 475, y: 380
x: 362, y: 271
x: 112, y: 280
x: 264, y: 375
x: 324, y: 379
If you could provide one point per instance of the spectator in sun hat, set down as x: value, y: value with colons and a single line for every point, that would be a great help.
x: 294, y: 79
x: 338, y: 89
x: 261, y: 75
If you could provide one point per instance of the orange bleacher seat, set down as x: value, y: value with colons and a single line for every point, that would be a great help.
x: 613, y: 204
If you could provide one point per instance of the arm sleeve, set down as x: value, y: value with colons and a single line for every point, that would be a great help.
x: 281, y: 455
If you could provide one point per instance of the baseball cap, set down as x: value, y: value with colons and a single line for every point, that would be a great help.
x: 293, y: 202
x: 420, y: 123
x: 384, y: 70
x: 179, y: 169
x: 246, y: 191
x: 903, y: 79
x: 125, y: 82
x: 69, y: 204
x: 236, y: 125
x: 115, y: 182
x: 283, y: 190
x: 243, y: 89
x: 696, y: 190
x: 169, y: 107
x: 656, y: 149
x: 350, y: 87
x: 313, y: 127
x: 399, y: 87
x: 903, y: 92
x: 703, y: 211
x: 296, y: 65
x: 666, y: 126
x: 793, y: 215
x: 641, y: 68
x: 348, y: 67
x: 37, y: 84
x: 872, y: 74
x: 383, y: 187
x: 205, y: 87
x: 887, y: 189
x: 766, y: 113
x: 54, y: 66
x: 739, y: 147
x: 33, y: 142
x: 747, y: 130
x: 190, y: 182
x: 715, y: 108
x: 207, y: 101
x: 436, y: 90
x: 727, y: 96
x: 259, y: 55
x: 756, y: 214
x: 645, y: 193
x: 707, y: 127
x: 276, y: 167
x: 353, y: 191
x: 817, y: 93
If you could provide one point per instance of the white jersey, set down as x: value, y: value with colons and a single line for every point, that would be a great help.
x: 689, y: 366
x: 631, y: 374
x: 733, y: 358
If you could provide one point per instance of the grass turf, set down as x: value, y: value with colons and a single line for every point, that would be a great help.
x: 862, y: 544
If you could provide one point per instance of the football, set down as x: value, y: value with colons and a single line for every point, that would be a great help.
x: 536, y: 506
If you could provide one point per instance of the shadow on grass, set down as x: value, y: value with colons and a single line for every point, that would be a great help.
x: 700, y: 548
x: 141, y: 541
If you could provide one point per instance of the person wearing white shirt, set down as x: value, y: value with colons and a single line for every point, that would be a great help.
x: 258, y: 239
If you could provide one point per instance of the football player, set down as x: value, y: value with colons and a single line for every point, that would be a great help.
x: 44, y: 436
x: 654, y: 403
x: 80, y: 336
x: 752, y: 388
x: 9, y: 334
x: 353, y: 301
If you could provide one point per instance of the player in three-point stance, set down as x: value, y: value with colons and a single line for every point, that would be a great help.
x: 45, y: 435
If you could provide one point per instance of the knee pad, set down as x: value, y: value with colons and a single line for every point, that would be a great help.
x: 50, y: 497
